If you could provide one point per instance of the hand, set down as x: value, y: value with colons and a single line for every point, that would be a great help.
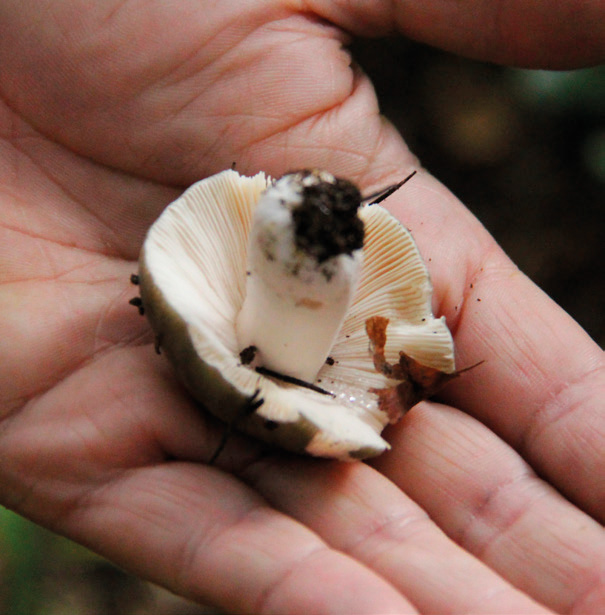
x: 489, y: 504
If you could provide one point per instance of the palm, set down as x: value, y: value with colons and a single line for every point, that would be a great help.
x: 93, y: 422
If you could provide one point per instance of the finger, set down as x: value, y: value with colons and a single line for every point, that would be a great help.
x: 359, y: 512
x: 88, y: 460
x: 207, y: 537
x: 491, y: 503
x: 536, y: 33
x: 542, y: 382
x: 122, y: 409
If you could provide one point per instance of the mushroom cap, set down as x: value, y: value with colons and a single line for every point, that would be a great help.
x: 192, y: 275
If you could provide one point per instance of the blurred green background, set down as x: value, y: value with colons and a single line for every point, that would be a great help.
x: 525, y: 150
x: 45, y: 574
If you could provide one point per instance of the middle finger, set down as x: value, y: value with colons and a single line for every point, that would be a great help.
x: 359, y: 511
x: 484, y: 496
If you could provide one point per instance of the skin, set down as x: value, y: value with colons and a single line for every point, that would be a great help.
x: 491, y: 501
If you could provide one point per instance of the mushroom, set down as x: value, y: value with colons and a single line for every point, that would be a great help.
x: 293, y: 312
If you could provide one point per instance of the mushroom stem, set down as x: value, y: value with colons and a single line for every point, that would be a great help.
x: 304, y: 261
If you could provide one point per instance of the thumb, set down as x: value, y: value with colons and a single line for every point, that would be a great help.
x: 532, y: 33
